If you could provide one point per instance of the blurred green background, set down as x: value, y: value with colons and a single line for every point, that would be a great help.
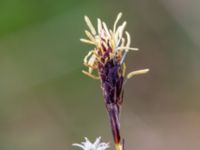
x: 46, y: 103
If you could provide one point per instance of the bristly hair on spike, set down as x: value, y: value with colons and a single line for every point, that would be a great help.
x: 106, y: 62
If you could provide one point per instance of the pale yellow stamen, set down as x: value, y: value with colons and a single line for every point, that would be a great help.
x: 91, y: 62
x: 128, y: 40
x: 90, y: 75
x: 116, y: 21
x: 95, y: 53
x: 87, y: 41
x: 87, y: 56
x: 123, y: 42
x: 89, y: 66
x: 106, y: 29
x: 99, y: 25
x: 91, y: 27
x: 89, y: 35
x: 97, y: 57
x: 137, y: 72
x: 122, y: 27
x: 124, y: 69
x: 104, y: 44
x: 128, y: 48
x: 113, y: 45
x: 119, y: 32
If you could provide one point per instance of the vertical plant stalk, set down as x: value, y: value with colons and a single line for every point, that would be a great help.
x: 106, y: 62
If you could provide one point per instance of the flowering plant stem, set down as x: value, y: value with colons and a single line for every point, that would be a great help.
x: 106, y: 62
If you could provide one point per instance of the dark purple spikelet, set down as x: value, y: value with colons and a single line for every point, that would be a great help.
x: 107, y: 59
x: 111, y: 83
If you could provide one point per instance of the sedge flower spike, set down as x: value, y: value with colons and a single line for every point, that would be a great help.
x: 97, y: 145
x: 106, y: 62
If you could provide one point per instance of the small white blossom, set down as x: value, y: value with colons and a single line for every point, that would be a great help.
x: 97, y: 145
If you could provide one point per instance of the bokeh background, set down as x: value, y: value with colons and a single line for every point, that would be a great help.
x: 46, y: 103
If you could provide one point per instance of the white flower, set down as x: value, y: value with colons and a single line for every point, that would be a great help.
x: 97, y: 145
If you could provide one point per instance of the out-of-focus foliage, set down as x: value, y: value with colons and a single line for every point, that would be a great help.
x: 47, y: 104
